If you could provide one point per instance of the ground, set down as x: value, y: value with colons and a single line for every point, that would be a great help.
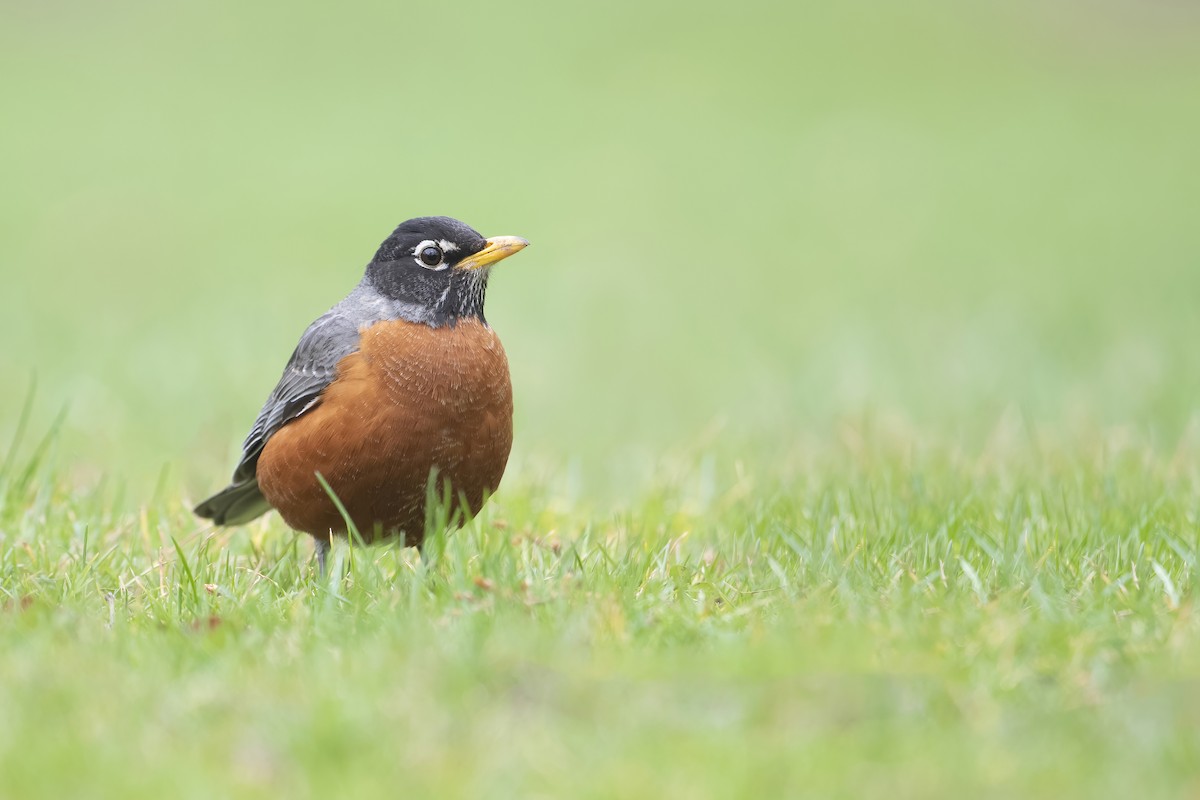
x: 889, y: 623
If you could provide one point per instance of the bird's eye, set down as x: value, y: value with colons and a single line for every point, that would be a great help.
x: 430, y: 255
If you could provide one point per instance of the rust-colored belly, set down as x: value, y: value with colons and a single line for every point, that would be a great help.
x: 412, y: 399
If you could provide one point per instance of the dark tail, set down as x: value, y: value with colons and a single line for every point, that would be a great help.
x: 236, y: 504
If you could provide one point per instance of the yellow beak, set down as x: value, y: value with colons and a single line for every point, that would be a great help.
x: 497, y: 249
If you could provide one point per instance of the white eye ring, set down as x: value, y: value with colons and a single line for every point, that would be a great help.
x: 419, y: 253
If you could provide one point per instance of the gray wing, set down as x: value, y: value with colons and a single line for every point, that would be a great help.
x: 311, y: 368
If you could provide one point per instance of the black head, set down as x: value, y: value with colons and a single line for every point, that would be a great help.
x: 438, y: 267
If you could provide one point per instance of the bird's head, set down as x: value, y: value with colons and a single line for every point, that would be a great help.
x: 438, y: 267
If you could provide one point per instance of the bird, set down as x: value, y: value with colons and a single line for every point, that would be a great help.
x: 398, y: 395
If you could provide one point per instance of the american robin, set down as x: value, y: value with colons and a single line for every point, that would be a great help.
x: 400, y: 381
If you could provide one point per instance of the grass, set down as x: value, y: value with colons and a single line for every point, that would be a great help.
x: 904, y: 622
x: 857, y: 449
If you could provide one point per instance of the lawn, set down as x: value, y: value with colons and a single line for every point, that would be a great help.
x: 857, y: 447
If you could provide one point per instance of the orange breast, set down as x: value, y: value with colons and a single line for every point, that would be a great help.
x: 412, y: 399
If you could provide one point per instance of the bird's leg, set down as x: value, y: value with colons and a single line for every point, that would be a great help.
x: 322, y: 552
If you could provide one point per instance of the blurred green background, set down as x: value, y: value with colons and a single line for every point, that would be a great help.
x: 751, y: 221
